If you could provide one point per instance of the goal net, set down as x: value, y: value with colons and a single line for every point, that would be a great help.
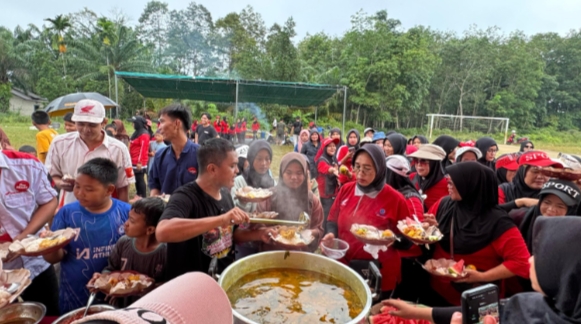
x: 449, y: 124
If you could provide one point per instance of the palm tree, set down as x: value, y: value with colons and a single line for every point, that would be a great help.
x: 60, y: 24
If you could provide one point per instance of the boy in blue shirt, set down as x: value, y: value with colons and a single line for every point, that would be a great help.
x: 101, y: 221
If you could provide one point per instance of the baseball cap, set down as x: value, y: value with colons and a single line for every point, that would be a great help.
x: 508, y: 161
x: 88, y: 111
x: 538, y: 159
x: 462, y: 150
x: 569, y: 161
x: 368, y: 129
x: 566, y: 190
x: 365, y: 140
x: 429, y: 152
x: 398, y: 164
x: 378, y: 136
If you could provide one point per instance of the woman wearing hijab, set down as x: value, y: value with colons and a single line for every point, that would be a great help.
x: 488, y: 148
x: 311, y: 148
x: 313, y: 185
x: 557, y: 198
x: 449, y: 144
x: 506, y: 166
x: 121, y: 132
x: 394, y: 143
x: 553, y: 270
x: 303, y: 139
x: 368, y: 201
x: 291, y: 197
x: 467, y: 154
x: 526, y: 146
x: 139, y: 152
x: 528, y: 180
x: 256, y: 175
x: 336, y: 133
x: 477, y: 231
x: 345, y: 155
x: 397, y: 171
x: 327, y: 173
x: 429, y: 178
x: 418, y: 140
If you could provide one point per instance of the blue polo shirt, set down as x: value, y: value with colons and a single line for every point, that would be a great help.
x: 168, y: 173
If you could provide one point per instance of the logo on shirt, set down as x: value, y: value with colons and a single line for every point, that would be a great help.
x: 381, y: 213
x: 192, y: 170
x: 344, y: 202
x: 121, y: 229
x: 22, y: 186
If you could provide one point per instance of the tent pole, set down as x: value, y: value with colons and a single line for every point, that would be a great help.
x: 344, y: 108
x: 116, y: 98
x: 316, y: 108
x: 236, y: 104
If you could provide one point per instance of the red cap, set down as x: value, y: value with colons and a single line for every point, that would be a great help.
x: 508, y: 161
x: 410, y: 149
x: 469, y: 143
x: 538, y: 159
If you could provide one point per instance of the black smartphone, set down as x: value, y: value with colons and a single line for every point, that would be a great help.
x: 479, y: 302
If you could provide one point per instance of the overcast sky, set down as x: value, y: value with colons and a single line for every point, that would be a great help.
x: 333, y: 17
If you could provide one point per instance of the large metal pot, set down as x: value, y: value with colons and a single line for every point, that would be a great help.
x: 94, y: 309
x: 301, y: 261
x: 27, y: 311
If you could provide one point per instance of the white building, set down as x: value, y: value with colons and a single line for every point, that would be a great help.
x: 25, y: 103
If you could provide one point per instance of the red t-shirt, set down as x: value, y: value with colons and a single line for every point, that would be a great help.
x: 322, y: 178
x: 218, y: 126
x: 383, y: 212
x: 509, y: 250
x: 501, y: 196
x: 434, y: 193
x: 225, y: 126
x: 343, y: 179
x: 243, y: 126
x: 139, y: 150
x: 255, y: 126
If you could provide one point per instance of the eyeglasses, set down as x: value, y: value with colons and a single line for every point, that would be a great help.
x: 421, y: 161
x: 365, y: 170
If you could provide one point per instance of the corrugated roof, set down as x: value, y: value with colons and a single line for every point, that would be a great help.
x: 224, y: 90
x: 26, y: 96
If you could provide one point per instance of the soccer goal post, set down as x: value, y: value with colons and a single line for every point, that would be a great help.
x: 477, y: 124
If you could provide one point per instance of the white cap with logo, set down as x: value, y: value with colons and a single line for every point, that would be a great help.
x: 89, y: 111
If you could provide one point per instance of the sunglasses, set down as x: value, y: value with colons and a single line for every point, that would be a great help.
x: 421, y: 161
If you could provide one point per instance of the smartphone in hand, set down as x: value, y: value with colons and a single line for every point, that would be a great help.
x: 480, y: 302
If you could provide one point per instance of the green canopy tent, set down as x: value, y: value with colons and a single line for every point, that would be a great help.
x: 231, y: 90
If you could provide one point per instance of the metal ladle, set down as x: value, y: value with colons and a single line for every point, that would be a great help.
x: 91, y: 299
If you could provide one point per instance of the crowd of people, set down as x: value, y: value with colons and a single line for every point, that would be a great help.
x: 494, y: 212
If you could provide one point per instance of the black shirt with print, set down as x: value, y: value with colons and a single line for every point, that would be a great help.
x: 205, y: 133
x: 190, y: 201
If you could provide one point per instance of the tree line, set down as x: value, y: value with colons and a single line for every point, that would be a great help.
x: 395, y: 76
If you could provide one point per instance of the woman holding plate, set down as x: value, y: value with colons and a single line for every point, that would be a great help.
x: 291, y: 197
x: 369, y: 201
x: 477, y: 231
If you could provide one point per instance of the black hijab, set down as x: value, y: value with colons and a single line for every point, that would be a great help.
x: 402, y: 184
x: 337, y: 130
x: 564, y: 187
x: 449, y: 144
x: 483, y: 144
x: 478, y: 220
x: 356, y: 132
x: 422, y: 139
x: 523, y: 144
x: 378, y: 158
x: 518, y: 187
x: 139, y: 123
x: 398, y: 142
x: 253, y: 178
x: 557, y: 264
x: 434, y: 176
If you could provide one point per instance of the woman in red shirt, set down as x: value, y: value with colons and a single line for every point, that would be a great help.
x: 477, y: 231
x: 218, y: 125
x: 369, y: 201
x: 398, y: 168
x: 225, y: 128
x: 429, y: 178
x: 345, y: 155
x: 139, y: 152
x: 327, y: 172
x: 255, y: 128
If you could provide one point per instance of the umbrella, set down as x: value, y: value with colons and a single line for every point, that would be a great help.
x: 65, y: 104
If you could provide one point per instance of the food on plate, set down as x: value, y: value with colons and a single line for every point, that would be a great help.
x: 293, y: 236
x: 253, y: 193
x: 419, y: 231
x: 371, y: 235
x: 122, y: 283
x: 446, y: 268
x: 35, y: 244
x: 264, y: 215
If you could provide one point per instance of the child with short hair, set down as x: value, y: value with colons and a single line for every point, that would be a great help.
x: 44, y: 137
x: 100, y: 219
x: 70, y: 125
x: 28, y: 149
x: 154, y: 146
x: 139, y: 250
